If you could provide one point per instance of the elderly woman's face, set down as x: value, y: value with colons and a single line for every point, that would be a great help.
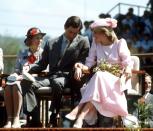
x: 36, y: 40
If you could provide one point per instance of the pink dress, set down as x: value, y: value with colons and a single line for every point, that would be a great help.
x: 104, y: 90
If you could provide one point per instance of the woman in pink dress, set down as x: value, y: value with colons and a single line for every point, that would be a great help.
x: 104, y: 92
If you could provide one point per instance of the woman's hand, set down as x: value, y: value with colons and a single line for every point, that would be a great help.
x: 26, y: 67
x: 128, y: 72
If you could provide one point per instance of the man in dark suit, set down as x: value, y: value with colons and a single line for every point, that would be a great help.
x: 60, y: 54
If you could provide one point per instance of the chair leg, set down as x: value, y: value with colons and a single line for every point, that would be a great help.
x: 46, y: 113
x: 117, y: 122
x: 43, y: 113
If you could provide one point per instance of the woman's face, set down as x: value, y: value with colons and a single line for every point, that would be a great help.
x: 36, y: 41
x: 100, y: 37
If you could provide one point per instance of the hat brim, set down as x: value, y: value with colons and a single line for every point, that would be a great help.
x: 43, y: 34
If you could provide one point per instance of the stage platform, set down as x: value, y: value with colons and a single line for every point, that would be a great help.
x: 75, y: 129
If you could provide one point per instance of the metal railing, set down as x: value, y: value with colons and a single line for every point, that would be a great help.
x: 120, y: 5
x: 9, y: 61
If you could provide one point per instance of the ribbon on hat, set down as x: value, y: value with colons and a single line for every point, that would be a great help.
x: 111, y: 22
x: 108, y: 22
x: 34, y: 31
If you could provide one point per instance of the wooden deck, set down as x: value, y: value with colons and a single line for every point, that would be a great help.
x: 75, y: 129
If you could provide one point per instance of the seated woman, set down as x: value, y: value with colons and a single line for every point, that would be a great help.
x: 105, y: 90
x: 1, y: 61
x: 13, y: 91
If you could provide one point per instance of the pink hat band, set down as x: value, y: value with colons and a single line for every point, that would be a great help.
x: 108, y: 22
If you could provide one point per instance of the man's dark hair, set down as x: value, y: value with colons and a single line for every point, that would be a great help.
x: 73, y: 21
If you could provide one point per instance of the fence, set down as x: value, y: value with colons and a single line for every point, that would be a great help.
x: 9, y: 62
x: 120, y: 8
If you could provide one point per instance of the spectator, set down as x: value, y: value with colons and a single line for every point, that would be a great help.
x: 61, y: 54
x: 103, y: 92
x: 128, y: 20
x: 1, y: 61
x: 87, y: 31
x: 150, y: 2
x: 131, y: 13
x: 13, y: 92
x: 148, y: 83
x: 147, y: 98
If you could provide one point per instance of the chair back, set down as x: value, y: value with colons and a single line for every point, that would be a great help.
x: 136, y: 88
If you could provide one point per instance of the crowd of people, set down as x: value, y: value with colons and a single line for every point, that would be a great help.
x: 137, y: 30
x: 71, y: 56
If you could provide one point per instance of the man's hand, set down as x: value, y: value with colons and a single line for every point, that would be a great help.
x: 78, y: 74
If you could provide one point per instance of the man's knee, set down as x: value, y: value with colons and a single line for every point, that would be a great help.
x: 57, y: 86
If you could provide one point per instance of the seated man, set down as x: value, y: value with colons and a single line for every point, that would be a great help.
x: 60, y: 54
x: 147, y: 99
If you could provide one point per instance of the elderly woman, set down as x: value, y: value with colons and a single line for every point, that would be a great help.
x: 13, y: 90
x: 105, y: 91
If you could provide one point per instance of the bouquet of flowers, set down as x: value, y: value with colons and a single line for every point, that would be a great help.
x: 114, y: 69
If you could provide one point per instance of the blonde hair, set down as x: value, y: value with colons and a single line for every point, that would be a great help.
x: 108, y: 31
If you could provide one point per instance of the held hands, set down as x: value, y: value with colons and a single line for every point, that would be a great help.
x: 78, y: 71
x: 26, y: 67
x: 78, y: 74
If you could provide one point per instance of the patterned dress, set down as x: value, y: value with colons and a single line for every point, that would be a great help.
x: 25, y: 57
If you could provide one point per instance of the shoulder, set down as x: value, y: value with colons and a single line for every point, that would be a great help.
x: 83, y: 41
x: 23, y: 52
x: 83, y: 38
x: 121, y: 41
x: 53, y: 40
x: 50, y: 42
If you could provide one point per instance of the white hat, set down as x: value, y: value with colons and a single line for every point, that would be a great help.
x: 108, y: 22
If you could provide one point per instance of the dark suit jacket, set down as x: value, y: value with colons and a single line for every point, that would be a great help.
x: 76, y: 52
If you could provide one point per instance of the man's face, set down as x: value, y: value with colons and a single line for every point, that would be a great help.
x: 71, y: 32
x: 147, y: 83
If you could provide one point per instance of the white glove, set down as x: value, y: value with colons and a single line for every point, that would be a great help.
x: 28, y: 76
x: 13, y: 77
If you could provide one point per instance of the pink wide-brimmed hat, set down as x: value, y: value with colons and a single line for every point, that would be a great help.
x: 107, y: 22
